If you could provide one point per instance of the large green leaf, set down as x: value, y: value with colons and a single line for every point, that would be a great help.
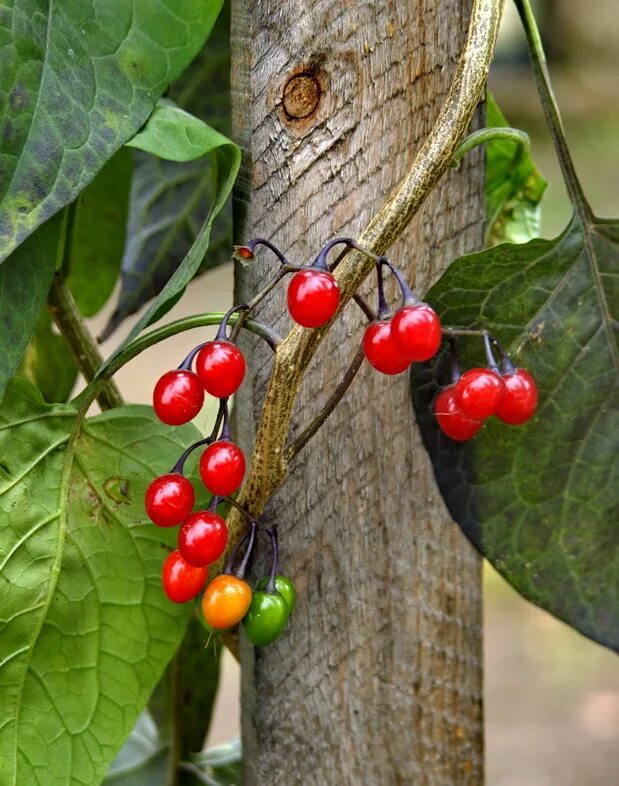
x: 225, y: 159
x: 96, y: 238
x: 86, y: 627
x: 540, y: 500
x: 48, y: 361
x: 78, y: 79
x: 514, y: 187
x: 170, y: 199
x: 25, y: 279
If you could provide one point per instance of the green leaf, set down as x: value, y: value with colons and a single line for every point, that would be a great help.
x: 221, y: 765
x: 97, y: 234
x: 48, y: 362
x: 170, y: 200
x: 86, y: 627
x: 25, y: 279
x: 225, y: 161
x: 514, y: 187
x: 540, y: 500
x: 173, y: 134
x: 80, y: 79
x: 143, y: 759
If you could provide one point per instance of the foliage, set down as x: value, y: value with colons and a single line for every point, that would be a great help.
x: 170, y: 198
x: 87, y: 629
x: 514, y: 187
x: 109, y: 61
x: 25, y: 278
x: 539, y: 501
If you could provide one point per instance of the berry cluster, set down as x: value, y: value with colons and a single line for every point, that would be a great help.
x: 413, y: 334
x: 390, y: 344
x: 508, y: 393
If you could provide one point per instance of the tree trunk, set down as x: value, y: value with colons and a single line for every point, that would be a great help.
x: 378, y: 678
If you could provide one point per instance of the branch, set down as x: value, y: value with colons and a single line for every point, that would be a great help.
x: 515, y: 135
x: 334, y: 399
x: 70, y: 323
x: 269, y: 465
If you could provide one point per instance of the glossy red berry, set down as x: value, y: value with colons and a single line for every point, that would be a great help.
x: 417, y: 331
x: 313, y: 297
x: 520, y: 399
x: 220, y: 367
x: 478, y: 393
x: 169, y: 499
x: 452, y: 422
x: 222, y: 467
x: 178, y: 397
x: 381, y: 350
x: 181, y: 581
x: 202, y: 538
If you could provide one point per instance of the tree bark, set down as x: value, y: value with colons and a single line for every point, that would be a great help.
x: 378, y: 678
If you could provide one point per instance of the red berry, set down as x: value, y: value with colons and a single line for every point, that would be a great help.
x: 181, y: 581
x: 313, y: 297
x: 220, y: 366
x: 520, y: 399
x: 478, y: 393
x: 452, y: 422
x: 169, y: 499
x: 202, y: 538
x: 222, y: 467
x: 178, y: 397
x: 417, y: 331
x: 381, y: 350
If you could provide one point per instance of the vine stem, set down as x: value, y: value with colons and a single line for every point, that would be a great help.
x: 71, y: 324
x: 268, y: 466
x: 334, y: 399
x: 515, y: 135
x: 551, y: 110
x: 138, y: 345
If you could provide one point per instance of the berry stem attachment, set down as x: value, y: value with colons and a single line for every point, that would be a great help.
x: 383, y: 307
x: 225, y: 431
x: 507, y: 367
x: 492, y: 364
x: 270, y: 587
x: 250, y: 537
x: 251, y: 246
x: 179, y: 467
x: 215, y: 500
x: 187, y: 363
x: 223, y: 327
x: 408, y: 296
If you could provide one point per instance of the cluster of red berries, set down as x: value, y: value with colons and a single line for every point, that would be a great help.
x: 413, y: 334
x: 390, y: 343
x: 508, y: 393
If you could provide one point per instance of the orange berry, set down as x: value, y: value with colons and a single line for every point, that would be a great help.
x: 225, y: 601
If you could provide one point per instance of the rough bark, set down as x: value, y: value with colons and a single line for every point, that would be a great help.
x: 378, y: 678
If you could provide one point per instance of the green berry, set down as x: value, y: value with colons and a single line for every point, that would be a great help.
x: 285, y: 587
x: 266, y: 618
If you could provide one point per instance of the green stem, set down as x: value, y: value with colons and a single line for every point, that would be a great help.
x: 551, y: 110
x: 138, y: 345
x: 515, y: 135
x: 71, y: 324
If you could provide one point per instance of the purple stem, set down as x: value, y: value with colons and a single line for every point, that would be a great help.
x: 490, y: 359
